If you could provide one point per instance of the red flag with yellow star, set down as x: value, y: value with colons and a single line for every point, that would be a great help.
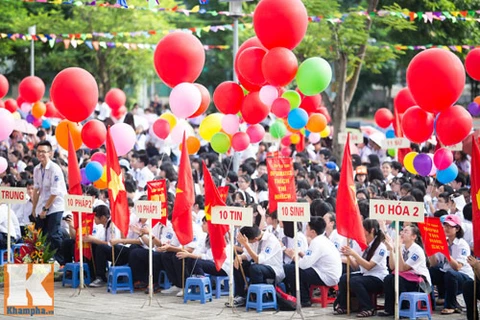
x: 349, y: 221
x: 475, y: 191
x: 116, y: 189
x: 184, y: 200
x: 216, y: 231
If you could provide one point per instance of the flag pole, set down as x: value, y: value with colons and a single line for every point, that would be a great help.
x: 183, y: 272
x: 474, y: 294
x: 9, y: 241
x: 113, y: 248
x: 348, y: 280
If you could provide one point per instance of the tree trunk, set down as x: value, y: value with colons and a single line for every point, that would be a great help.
x: 104, y: 78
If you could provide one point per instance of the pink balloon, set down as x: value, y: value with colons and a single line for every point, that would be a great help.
x: 3, y: 164
x: 240, y: 141
x: 268, y: 94
x: 99, y: 157
x: 286, y: 151
x: 123, y: 137
x: 434, y: 169
x: 442, y: 158
x: 281, y: 107
x: 185, y: 99
x: 177, y: 133
x: 314, y: 137
x: 230, y: 123
x: 7, y: 124
x: 256, y: 133
x: 26, y: 107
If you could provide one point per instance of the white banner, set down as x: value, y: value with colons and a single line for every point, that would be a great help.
x: 79, y: 203
x: 236, y: 216
x: 148, y: 209
x: 397, y: 210
x: 355, y: 137
x: 13, y: 195
x: 396, y: 143
x: 293, y: 211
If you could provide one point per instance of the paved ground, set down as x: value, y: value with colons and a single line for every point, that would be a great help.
x: 96, y: 303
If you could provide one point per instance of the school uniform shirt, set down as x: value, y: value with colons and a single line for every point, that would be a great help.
x: 143, y: 176
x: 269, y: 253
x: 302, y: 244
x: 338, y: 240
x: 459, y: 250
x: 324, y: 258
x: 415, y: 258
x: 49, y: 181
x: 380, y: 258
x: 104, y: 233
x: 14, y: 225
x: 23, y: 211
x: 170, y: 237
x: 206, y: 254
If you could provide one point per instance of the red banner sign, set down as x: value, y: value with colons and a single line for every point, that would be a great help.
x: 281, y: 185
x: 87, y: 228
x: 157, y: 191
x: 433, y: 236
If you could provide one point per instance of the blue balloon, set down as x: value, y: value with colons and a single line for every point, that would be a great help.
x: 447, y: 175
x: 390, y: 134
x: 46, y: 124
x: 297, y: 118
x: 93, y: 171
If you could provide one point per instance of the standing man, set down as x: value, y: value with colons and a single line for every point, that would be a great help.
x: 48, y: 196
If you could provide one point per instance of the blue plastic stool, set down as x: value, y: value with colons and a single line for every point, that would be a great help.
x: 4, y: 257
x: 415, y: 299
x: 116, y: 279
x: 218, y: 285
x: 73, y: 269
x: 163, y: 281
x: 16, y: 247
x: 198, y: 289
x: 261, y: 291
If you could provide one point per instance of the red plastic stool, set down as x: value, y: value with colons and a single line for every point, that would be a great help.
x: 324, y: 300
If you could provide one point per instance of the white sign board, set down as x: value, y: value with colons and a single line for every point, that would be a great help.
x: 397, y: 210
x: 455, y: 147
x: 148, y: 209
x: 396, y: 143
x: 236, y: 216
x: 79, y: 203
x: 293, y: 211
x: 13, y: 195
x: 355, y: 137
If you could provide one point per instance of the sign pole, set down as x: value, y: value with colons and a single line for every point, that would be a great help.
x: 9, y: 244
x: 150, y: 263
x: 297, y: 273
x: 397, y: 256
x: 232, y: 257
x: 80, y: 240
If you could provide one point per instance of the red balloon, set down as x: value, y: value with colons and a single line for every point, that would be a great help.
x: 281, y: 107
x: 179, y: 57
x: 383, y: 117
x: 280, y: 23
x: 118, y: 113
x: 311, y: 104
x: 31, y: 89
x: 20, y: 101
x: 3, y: 86
x: 52, y: 112
x: 94, y: 134
x: 256, y: 133
x: 205, y: 100
x: 286, y: 151
x: 253, y: 109
x: 279, y: 66
x: 453, y: 125
x: 286, y: 141
x: 250, y: 65
x: 417, y: 124
x: 161, y: 128
x: 472, y: 64
x: 11, y: 105
x: 228, y: 97
x: 324, y: 111
x: 240, y: 141
x: 404, y: 100
x: 251, y: 42
x: 115, y: 98
x: 75, y: 93
x: 436, y: 78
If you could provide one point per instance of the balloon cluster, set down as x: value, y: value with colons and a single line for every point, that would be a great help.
x: 426, y: 164
x: 474, y: 107
x: 95, y: 171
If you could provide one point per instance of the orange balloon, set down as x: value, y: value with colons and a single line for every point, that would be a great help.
x: 295, y: 138
x: 38, y: 109
x: 317, y: 122
x: 290, y: 129
x: 477, y: 100
x: 100, y: 184
x: 193, y: 145
x: 62, y: 134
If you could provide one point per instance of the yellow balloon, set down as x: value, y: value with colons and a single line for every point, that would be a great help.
x: 408, y: 162
x: 295, y: 138
x: 170, y: 118
x: 103, y: 178
x: 16, y: 115
x: 325, y: 133
x: 210, y: 125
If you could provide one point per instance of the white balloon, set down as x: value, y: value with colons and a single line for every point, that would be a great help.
x: 3, y: 164
x: 268, y: 94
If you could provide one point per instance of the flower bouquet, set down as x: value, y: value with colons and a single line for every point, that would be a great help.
x: 35, y: 248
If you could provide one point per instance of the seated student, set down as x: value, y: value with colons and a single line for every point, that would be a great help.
x: 468, y: 290
x: 412, y: 267
x: 373, y: 269
x: 449, y: 276
x: 321, y: 264
x: 102, y: 251
x: 262, y: 261
x: 289, y: 244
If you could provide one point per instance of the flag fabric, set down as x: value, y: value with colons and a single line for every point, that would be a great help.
x: 216, y: 231
x: 184, y: 200
x: 349, y: 221
x: 397, y: 127
x: 75, y: 187
x: 116, y: 189
x: 475, y: 192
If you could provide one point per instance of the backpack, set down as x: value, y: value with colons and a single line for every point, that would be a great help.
x: 285, y: 302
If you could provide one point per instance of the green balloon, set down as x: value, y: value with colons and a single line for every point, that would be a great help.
x: 313, y: 76
x: 220, y: 142
x: 293, y: 98
x: 278, y: 129
x: 391, y: 152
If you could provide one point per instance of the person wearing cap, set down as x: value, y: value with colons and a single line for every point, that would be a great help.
x: 374, y: 146
x: 361, y: 175
x: 450, y: 275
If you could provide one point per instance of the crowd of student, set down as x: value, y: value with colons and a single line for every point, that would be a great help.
x: 263, y: 252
